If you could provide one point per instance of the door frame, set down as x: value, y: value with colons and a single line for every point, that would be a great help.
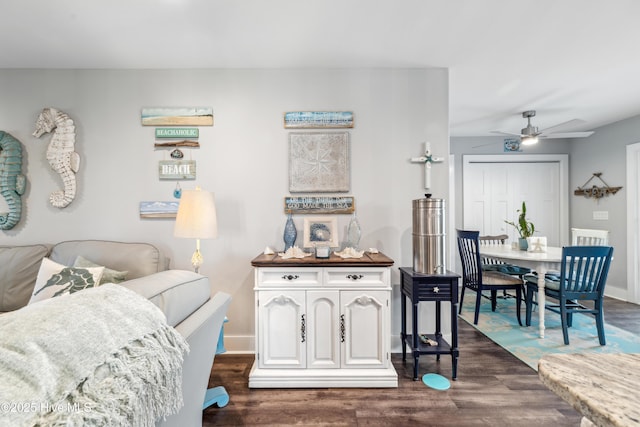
x: 633, y: 214
x: 563, y: 183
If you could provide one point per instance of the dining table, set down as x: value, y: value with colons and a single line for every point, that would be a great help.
x: 542, y: 262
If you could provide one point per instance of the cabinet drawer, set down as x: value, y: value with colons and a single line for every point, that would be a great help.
x: 275, y: 278
x: 434, y: 292
x: 356, y: 277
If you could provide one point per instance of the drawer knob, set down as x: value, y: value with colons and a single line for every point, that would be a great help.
x: 290, y: 277
x: 354, y: 276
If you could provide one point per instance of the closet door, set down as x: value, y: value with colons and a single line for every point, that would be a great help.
x: 494, y: 191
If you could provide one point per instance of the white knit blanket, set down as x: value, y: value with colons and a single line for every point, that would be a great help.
x: 102, y: 356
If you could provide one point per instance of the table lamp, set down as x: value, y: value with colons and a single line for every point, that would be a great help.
x: 196, y: 219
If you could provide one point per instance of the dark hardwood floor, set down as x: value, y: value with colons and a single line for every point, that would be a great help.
x: 493, y: 388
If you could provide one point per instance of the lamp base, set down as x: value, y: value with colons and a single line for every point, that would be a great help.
x: 196, y: 258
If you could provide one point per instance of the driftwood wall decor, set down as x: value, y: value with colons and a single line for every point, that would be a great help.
x: 594, y: 191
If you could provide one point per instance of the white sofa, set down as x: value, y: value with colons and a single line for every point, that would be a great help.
x: 185, y: 298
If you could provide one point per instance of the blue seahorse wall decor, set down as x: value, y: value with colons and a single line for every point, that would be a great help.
x: 12, y: 182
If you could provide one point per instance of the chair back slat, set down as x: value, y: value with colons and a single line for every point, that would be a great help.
x: 585, y: 270
x: 589, y: 237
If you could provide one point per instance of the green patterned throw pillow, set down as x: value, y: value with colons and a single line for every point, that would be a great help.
x: 109, y: 276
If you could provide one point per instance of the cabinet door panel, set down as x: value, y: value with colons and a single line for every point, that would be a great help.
x: 366, y: 328
x: 323, y: 310
x: 280, y: 338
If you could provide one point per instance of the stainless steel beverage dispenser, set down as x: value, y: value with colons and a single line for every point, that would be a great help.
x: 429, y: 255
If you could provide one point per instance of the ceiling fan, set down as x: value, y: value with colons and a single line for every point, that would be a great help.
x: 530, y: 134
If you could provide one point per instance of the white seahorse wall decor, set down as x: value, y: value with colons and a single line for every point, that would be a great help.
x: 60, y: 152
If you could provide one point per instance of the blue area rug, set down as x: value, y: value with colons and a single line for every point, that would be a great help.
x: 524, y: 342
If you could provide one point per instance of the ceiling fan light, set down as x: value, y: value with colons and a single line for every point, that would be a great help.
x: 529, y: 140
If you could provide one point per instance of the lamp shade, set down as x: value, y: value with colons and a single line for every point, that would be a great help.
x: 196, y: 216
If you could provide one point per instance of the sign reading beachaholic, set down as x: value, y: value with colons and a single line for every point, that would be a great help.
x: 319, y: 204
x: 177, y: 132
x: 177, y: 169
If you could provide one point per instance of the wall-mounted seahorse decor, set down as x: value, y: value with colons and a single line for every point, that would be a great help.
x: 60, y: 152
x: 12, y: 182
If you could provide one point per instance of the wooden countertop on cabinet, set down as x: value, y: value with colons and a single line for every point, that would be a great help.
x: 369, y: 259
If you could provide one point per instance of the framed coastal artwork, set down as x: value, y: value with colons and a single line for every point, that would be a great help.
x: 320, y: 230
x: 511, y: 145
x: 319, y: 162
x: 159, y: 209
x: 179, y: 116
x: 318, y: 119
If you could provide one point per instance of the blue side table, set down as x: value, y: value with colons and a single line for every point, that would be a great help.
x: 217, y: 395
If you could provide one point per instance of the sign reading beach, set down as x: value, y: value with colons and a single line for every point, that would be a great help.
x: 184, y: 116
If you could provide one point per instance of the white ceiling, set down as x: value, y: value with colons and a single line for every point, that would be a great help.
x: 566, y: 59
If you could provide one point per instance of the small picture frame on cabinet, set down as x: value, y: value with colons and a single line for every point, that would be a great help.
x: 320, y: 230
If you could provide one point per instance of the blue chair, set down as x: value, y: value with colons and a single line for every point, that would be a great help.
x: 474, y: 278
x: 583, y: 275
x: 492, y: 264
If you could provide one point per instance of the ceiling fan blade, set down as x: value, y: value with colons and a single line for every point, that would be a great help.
x: 485, y: 145
x: 568, y: 135
x: 506, y: 133
x: 569, y: 123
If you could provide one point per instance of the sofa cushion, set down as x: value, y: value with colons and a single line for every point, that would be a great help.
x: 18, y: 270
x: 139, y: 259
x: 56, y: 279
x: 178, y: 293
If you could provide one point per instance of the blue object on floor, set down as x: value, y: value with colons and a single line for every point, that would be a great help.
x: 220, y: 348
x: 217, y: 395
x: 436, y: 381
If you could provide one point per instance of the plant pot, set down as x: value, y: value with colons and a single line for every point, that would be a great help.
x: 523, y: 245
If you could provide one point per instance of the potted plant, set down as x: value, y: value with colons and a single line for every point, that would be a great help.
x: 524, y: 227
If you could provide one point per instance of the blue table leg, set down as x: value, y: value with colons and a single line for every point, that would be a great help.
x: 217, y: 395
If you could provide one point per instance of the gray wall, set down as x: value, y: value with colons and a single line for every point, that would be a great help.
x: 243, y: 159
x: 604, y: 151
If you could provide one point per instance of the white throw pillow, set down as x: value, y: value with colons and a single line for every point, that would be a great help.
x: 56, y: 279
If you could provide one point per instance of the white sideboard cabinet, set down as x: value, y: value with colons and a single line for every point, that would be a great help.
x: 322, y: 322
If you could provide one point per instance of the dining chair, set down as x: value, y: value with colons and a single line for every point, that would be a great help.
x: 589, y: 237
x: 492, y: 264
x: 479, y: 281
x: 583, y: 275
x: 585, y: 237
